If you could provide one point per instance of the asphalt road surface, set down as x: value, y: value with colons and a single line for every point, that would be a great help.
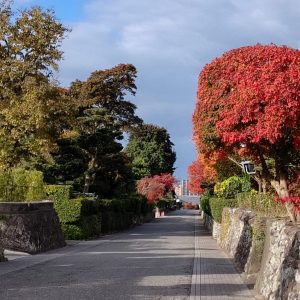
x: 151, y: 261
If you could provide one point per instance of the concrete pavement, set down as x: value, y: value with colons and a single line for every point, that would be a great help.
x: 169, y: 258
x: 214, y: 275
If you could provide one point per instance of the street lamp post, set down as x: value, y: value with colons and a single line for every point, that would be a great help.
x: 248, y: 167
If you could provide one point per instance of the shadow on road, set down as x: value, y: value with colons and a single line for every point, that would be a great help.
x: 151, y: 261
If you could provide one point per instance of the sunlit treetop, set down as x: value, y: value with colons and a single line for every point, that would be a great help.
x: 247, y: 96
x: 248, y: 103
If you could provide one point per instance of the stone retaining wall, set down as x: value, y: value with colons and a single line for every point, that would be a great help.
x: 236, y: 234
x: 30, y: 227
x: 2, y: 257
x: 279, y: 277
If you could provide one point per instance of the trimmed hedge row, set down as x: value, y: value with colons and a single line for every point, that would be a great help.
x: 213, y: 206
x: 217, y: 205
x: 83, y: 218
x: 19, y: 185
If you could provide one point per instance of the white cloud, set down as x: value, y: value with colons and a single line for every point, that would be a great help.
x: 169, y: 41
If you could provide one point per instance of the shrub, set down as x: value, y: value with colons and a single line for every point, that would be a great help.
x: 204, y: 203
x: 72, y: 232
x: 231, y: 186
x: 35, y: 183
x: 90, y: 226
x: 58, y: 192
x: 262, y: 204
x: 86, y: 218
x: 19, y: 185
x: 67, y: 211
x: 107, y: 221
x: 217, y: 205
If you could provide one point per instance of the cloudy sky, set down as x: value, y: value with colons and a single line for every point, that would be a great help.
x: 169, y: 42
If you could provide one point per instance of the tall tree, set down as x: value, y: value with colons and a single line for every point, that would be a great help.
x: 29, y: 103
x: 102, y: 116
x: 196, y: 177
x: 107, y: 89
x: 98, y: 138
x: 150, y: 149
x: 249, y: 98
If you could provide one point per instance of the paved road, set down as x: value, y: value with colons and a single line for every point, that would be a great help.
x: 152, y: 261
x: 157, y: 260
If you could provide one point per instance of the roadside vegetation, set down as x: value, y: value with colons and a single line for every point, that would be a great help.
x: 247, y: 113
x: 66, y: 143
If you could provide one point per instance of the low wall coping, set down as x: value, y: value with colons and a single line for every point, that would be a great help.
x: 23, y: 207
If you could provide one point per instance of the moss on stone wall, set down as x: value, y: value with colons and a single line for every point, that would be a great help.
x: 258, y: 242
x: 226, y: 223
x: 258, y: 235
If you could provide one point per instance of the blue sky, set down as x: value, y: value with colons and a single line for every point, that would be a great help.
x: 169, y: 42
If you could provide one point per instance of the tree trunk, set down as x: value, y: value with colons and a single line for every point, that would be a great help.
x: 87, y: 183
x: 264, y: 186
x: 90, y: 175
x: 279, y: 182
x: 281, y: 188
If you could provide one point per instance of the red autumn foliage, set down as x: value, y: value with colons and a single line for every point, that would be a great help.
x: 196, y: 177
x: 250, y: 96
x: 293, y: 199
x: 156, y: 187
x: 167, y: 180
x: 203, y: 170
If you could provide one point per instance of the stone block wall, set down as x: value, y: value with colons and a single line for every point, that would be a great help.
x: 279, y: 277
x: 30, y: 227
x: 2, y: 257
x: 236, y: 234
x: 253, y: 264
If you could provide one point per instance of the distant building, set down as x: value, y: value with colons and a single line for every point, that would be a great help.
x: 182, y: 189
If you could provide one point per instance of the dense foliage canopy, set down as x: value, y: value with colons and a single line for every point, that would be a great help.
x: 156, y: 187
x: 32, y: 107
x: 248, y: 103
x: 71, y: 134
x: 150, y: 149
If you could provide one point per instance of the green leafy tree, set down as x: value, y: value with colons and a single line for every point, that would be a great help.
x: 98, y: 136
x: 106, y: 89
x: 69, y: 164
x: 102, y: 116
x: 150, y: 149
x: 29, y: 102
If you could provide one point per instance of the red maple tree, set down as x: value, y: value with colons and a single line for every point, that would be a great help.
x: 250, y: 97
x: 196, y: 177
x: 201, y: 171
x: 156, y: 187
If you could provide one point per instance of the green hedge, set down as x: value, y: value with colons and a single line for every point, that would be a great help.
x: 60, y: 195
x: 58, y: 192
x: 72, y: 232
x: 83, y: 218
x: 213, y: 206
x: 20, y: 185
x: 217, y: 204
x: 204, y: 203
